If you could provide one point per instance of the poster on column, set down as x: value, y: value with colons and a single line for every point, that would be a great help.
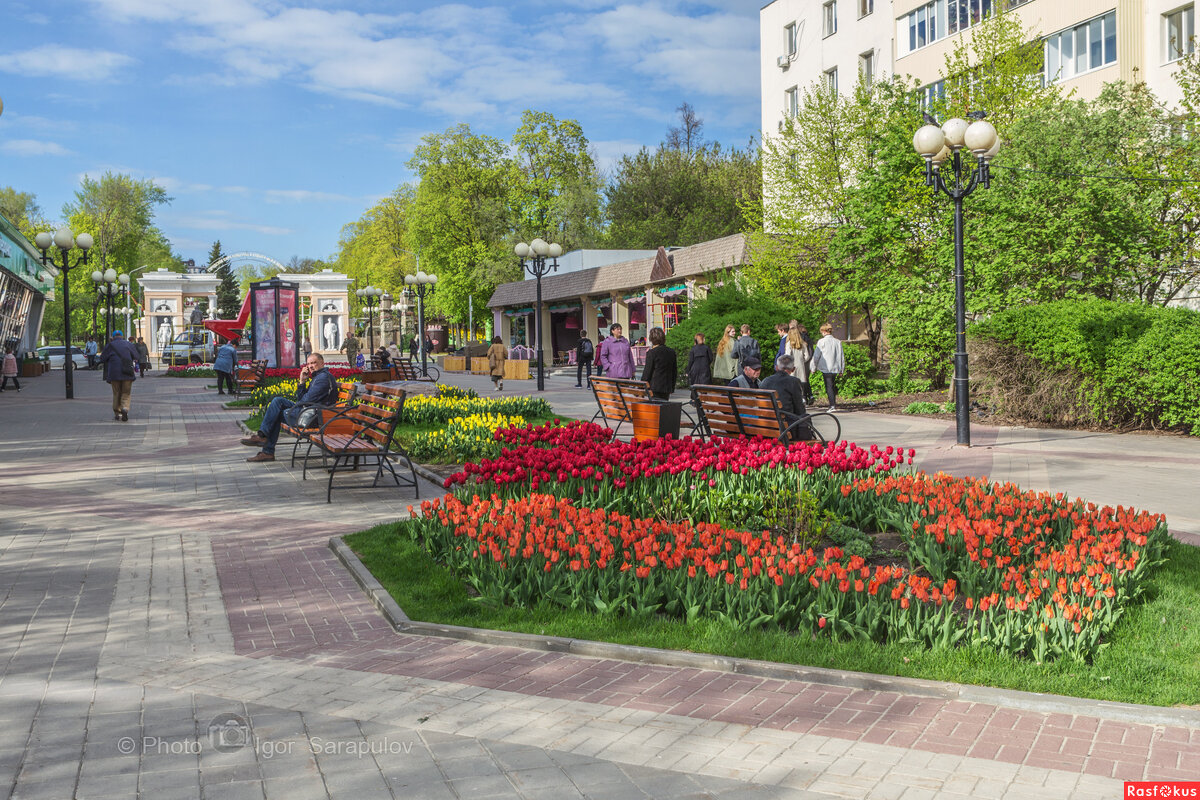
x: 287, y: 328
x: 264, y: 326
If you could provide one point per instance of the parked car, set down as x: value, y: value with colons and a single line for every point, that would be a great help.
x: 55, y: 354
x: 193, y: 346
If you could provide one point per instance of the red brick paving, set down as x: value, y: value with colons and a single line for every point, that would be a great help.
x: 288, y: 596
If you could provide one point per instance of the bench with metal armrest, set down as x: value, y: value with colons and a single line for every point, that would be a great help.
x: 735, y: 412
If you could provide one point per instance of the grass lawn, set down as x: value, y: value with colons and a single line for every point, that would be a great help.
x: 1154, y: 657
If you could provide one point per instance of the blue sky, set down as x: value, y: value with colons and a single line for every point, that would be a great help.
x: 272, y: 124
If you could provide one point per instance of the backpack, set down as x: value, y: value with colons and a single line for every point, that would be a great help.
x: 585, y: 348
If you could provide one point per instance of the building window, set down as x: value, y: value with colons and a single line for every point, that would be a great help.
x: 865, y: 7
x: 791, y: 102
x: 1181, y: 32
x: 866, y: 67
x: 930, y: 94
x: 941, y: 18
x: 1083, y: 48
x: 791, y: 41
x: 830, y: 79
x: 962, y: 14
x: 829, y: 17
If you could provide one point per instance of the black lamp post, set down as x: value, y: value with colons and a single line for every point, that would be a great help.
x: 536, y: 252
x: 936, y: 145
x: 65, y: 241
x: 108, y: 285
x: 423, y: 284
x: 370, y: 295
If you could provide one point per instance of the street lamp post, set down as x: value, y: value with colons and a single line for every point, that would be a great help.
x: 423, y: 284
x: 108, y: 285
x: 935, y: 145
x: 65, y: 241
x: 536, y: 252
x: 370, y: 295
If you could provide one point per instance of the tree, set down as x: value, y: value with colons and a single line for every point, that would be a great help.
x: 118, y: 211
x: 684, y: 192
x: 22, y: 210
x: 557, y: 193
x: 375, y: 248
x: 229, y: 289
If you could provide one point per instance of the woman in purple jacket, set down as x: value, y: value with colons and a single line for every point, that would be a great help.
x: 617, y: 357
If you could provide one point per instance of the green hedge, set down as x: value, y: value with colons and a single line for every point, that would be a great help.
x: 727, y: 305
x: 1137, y: 365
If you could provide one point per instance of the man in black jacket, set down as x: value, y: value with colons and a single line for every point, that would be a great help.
x: 791, y: 394
x: 662, y: 367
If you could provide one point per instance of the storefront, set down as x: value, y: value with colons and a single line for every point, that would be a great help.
x: 24, y: 285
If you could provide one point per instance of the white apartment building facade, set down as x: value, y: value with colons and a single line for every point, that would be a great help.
x: 1086, y: 43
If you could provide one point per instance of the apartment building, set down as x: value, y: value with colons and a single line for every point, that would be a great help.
x: 1086, y: 43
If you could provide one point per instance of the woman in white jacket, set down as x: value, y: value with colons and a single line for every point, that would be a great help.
x: 829, y: 360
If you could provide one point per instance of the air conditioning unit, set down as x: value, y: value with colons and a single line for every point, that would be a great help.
x: 783, y: 62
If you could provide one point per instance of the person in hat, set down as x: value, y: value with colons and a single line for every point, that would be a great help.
x: 751, y: 369
x: 118, y: 359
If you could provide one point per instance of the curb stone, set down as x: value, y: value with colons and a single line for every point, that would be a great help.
x: 1007, y: 698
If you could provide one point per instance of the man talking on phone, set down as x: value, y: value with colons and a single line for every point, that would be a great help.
x: 315, y: 387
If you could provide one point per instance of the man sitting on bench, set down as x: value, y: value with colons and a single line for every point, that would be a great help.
x: 791, y: 395
x: 316, y: 387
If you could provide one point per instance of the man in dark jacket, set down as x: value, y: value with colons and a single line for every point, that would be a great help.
x: 747, y: 347
x: 118, y: 359
x: 791, y: 394
x: 316, y: 387
x: 751, y: 367
x: 584, y: 352
x: 662, y: 367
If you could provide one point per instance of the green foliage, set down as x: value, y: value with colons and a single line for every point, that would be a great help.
x: 557, y: 192
x: 921, y: 339
x: 463, y: 439
x: 856, y: 380
x: 22, y: 210
x: 1135, y: 364
x: 922, y: 407
x: 796, y: 514
x: 729, y: 305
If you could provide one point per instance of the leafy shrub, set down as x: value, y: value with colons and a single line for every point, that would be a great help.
x: 728, y: 305
x: 922, y: 408
x: 859, y: 369
x: 921, y: 341
x: 1093, y: 362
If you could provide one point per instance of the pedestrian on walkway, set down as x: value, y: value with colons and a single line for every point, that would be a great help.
x: 394, y: 353
x: 9, y: 370
x: 584, y: 352
x: 830, y: 361
x: 747, y: 347
x: 725, y: 366
x: 662, y: 366
x: 306, y: 348
x: 781, y: 330
x: 315, y: 387
x: 143, y: 357
x: 599, y: 355
x: 90, y: 349
x: 350, y: 347
x: 497, y: 356
x: 118, y: 359
x: 801, y: 353
x: 224, y: 365
x: 700, y: 363
x: 618, y: 355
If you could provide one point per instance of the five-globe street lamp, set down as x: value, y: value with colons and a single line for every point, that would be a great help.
x: 423, y: 284
x: 108, y: 285
x: 65, y: 241
x: 533, y: 258
x: 936, y: 144
x: 370, y: 295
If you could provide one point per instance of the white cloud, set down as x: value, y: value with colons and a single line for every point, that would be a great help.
x: 219, y: 221
x: 304, y: 196
x: 34, y: 147
x: 65, y: 62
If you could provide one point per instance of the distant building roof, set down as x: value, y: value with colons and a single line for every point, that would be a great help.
x: 684, y: 262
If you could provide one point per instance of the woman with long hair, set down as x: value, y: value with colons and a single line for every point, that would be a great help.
x: 725, y: 364
x: 801, y: 353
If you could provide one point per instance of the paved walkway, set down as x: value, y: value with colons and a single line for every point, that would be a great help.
x: 162, y: 603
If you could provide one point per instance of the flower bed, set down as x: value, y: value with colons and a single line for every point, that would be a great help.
x: 421, y: 409
x: 463, y: 439
x: 570, y: 516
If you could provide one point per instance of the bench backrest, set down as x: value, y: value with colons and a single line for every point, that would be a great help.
x: 346, y: 392
x: 614, y: 396
x: 733, y: 411
x: 378, y: 412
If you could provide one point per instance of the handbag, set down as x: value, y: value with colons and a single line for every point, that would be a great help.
x: 309, y: 418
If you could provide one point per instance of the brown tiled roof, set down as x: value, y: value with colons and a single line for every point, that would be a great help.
x: 729, y: 251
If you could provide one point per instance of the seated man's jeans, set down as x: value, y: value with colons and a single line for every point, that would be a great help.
x: 272, y: 420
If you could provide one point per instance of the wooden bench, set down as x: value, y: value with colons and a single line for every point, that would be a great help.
x: 406, y: 370
x: 247, y: 379
x: 615, y: 398
x: 362, y: 434
x: 734, y: 412
x: 347, y: 391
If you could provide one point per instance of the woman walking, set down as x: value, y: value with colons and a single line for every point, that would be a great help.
x: 801, y: 353
x: 662, y: 366
x: 497, y: 354
x: 9, y: 370
x: 617, y: 356
x: 725, y: 366
x: 700, y: 363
